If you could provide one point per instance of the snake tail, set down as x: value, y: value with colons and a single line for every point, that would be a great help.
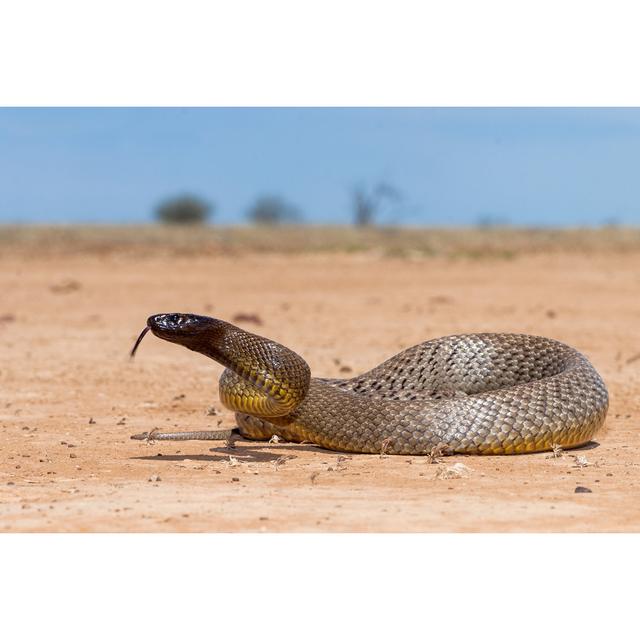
x: 223, y: 434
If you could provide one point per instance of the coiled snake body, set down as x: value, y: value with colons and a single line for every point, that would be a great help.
x: 486, y: 393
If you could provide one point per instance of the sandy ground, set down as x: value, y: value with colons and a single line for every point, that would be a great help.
x: 70, y: 397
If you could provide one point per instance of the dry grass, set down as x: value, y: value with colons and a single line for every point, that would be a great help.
x: 464, y: 242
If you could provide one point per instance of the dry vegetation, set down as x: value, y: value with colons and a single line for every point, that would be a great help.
x: 465, y: 242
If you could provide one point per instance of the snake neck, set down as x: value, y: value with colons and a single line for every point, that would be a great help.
x: 262, y: 377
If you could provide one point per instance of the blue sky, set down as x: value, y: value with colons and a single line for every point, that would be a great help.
x: 525, y: 166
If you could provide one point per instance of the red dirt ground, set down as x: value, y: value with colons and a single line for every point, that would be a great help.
x: 70, y: 397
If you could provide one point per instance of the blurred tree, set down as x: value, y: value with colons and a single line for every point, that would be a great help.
x: 184, y: 209
x: 368, y: 202
x: 272, y: 210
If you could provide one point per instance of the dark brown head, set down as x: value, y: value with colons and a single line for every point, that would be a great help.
x: 187, y: 329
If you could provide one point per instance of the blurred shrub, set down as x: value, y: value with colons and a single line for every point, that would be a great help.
x: 273, y: 210
x: 184, y: 210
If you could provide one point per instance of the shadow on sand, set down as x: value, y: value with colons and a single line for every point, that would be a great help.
x: 251, y: 453
x: 256, y: 453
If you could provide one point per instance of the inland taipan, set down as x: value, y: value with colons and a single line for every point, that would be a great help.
x: 484, y: 393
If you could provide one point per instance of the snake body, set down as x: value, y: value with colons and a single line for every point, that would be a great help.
x: 484, y: 393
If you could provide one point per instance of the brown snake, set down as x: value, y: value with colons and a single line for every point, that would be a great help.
x: 486, y: 393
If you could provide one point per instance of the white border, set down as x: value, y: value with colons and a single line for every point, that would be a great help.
x: 334, y: 52
x: 319, y: 586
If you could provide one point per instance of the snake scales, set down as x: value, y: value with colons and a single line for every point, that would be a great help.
x: 486, y: 393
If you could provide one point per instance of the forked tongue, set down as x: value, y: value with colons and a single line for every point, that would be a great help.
x: 138, y: 341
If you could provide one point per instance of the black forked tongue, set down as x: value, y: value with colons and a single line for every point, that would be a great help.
x: 138, y: 341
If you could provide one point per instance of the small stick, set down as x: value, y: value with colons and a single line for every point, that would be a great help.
x: 384, y: 446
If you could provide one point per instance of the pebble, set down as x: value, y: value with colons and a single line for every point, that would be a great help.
x: 154, y: 479
x: 581, y: 489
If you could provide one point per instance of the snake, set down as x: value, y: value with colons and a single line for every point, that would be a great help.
x: 477, y: 393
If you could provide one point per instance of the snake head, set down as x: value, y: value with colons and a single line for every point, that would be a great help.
x: 183, y: 328
x: 187, y: 329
